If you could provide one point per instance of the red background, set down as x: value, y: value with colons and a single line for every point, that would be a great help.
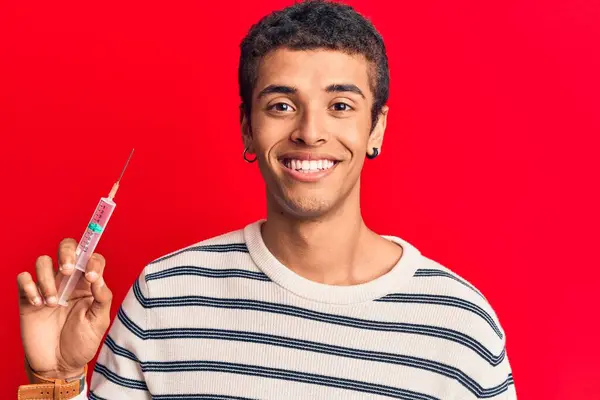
x: 489, y: 163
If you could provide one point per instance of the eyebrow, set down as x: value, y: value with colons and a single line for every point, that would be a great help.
x: 335, y: 88
x: 282, y: 89
x: 346, y: 87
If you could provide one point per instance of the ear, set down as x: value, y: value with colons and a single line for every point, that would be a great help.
x: 376, y: 137
x: 246, y: 132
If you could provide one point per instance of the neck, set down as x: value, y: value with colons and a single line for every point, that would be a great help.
x: 335, y: 249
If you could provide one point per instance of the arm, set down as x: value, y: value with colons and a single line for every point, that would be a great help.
x: 501, y: 373
x: 510, y: 393
x: 60, y: 341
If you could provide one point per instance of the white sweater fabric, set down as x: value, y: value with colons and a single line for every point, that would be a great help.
x: 224, y: 319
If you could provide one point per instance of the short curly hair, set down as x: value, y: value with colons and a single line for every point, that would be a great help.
x: 314, y: 24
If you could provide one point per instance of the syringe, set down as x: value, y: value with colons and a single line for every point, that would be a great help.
x: 89, y: 240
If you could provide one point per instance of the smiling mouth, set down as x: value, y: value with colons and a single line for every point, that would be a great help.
x: 308, y: 166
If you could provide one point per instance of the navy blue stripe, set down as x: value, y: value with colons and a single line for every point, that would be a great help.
x: 197, y: 397
x: 421, y: 272
x: 119, y: 380
x: 207, y: 272
x: 211, y: 248
x: 276, y: 373
x: 443, y: 300
x: 121, y: 351
x: 253, y: 337
x: 245, y: 304
x: 129, y: 324
x: 94, y: 396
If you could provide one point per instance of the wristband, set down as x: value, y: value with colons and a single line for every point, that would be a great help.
x: 51, y: 389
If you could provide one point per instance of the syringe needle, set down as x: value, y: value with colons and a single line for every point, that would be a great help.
x: 115, y: 187
x: 125, y: 167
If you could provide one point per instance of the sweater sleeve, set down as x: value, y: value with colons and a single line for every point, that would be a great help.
x: 495, y: 377
x: 510, y: 393
x: 118, y: 371
x: 501, y: 373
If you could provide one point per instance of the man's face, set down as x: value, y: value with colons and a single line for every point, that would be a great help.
x: 311, y: 128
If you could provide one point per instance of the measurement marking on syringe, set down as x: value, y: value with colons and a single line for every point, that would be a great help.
x: 87, y: 245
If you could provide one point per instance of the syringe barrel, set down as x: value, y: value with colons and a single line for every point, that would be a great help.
x: 87, y: 246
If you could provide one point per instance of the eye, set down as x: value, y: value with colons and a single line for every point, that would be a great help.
x: 281, y: 107
x: 341, y: 107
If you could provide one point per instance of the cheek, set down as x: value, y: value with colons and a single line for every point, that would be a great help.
x: 267, y: 132
x: 354, y: 136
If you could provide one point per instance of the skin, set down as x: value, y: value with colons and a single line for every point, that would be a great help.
x: 317, y: 224
x: 59, y: 341
x: 314, y: 228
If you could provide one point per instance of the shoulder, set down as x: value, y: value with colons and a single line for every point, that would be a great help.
x: 198, y: 269
x: 471, y: 310
x: 213, y: 257
x: 230, y: 242
x: 439, y: 277
x: 459, y: 327
x: 472, y: 320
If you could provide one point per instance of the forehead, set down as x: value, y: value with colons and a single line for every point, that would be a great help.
x: 313, y: 70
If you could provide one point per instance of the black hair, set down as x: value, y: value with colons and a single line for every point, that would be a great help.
x: 309, y: 25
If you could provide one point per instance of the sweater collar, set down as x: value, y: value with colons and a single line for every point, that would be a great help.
x: 391, y: 282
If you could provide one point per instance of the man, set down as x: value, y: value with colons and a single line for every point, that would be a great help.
x: 309, y: 304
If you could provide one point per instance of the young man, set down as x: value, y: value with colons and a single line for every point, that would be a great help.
x: 309, y: 304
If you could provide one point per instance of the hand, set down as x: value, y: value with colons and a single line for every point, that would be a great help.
x: 59, y: 341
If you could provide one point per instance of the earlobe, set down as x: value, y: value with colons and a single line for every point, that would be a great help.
x: 374, y: 154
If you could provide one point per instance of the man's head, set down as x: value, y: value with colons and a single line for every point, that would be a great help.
x: 314, y: 82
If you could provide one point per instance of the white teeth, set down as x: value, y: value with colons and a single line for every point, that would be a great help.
x: 309, y: 165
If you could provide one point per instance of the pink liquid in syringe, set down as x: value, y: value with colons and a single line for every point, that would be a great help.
x: 86, y: 247
x: 89, y: 240
x: 91, y: 236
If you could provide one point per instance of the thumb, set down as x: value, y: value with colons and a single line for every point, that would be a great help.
x: 99, y: 311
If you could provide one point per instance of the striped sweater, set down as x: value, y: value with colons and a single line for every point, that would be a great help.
x: 224, y: 319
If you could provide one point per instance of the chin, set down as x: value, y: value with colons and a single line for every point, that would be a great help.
x: 305, y: 200
x: 305, y: 206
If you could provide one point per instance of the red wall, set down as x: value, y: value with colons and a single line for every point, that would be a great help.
x: 488, y: 165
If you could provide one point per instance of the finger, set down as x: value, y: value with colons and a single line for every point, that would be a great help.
x: 66, y: 256
x: 46, y: 279
x: 94, y: 267
x: 28, y: 291
x: 99, y: 311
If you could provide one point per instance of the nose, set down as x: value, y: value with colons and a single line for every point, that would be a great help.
x: 311, y: 130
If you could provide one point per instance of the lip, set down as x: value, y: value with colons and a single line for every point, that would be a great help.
x: 307, y: 176
x: 302, y: 155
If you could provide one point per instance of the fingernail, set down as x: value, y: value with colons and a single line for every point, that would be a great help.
x: 51, y: 300
x: 67, y: 267
x: 91, y: 276
x: 36, y: 301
